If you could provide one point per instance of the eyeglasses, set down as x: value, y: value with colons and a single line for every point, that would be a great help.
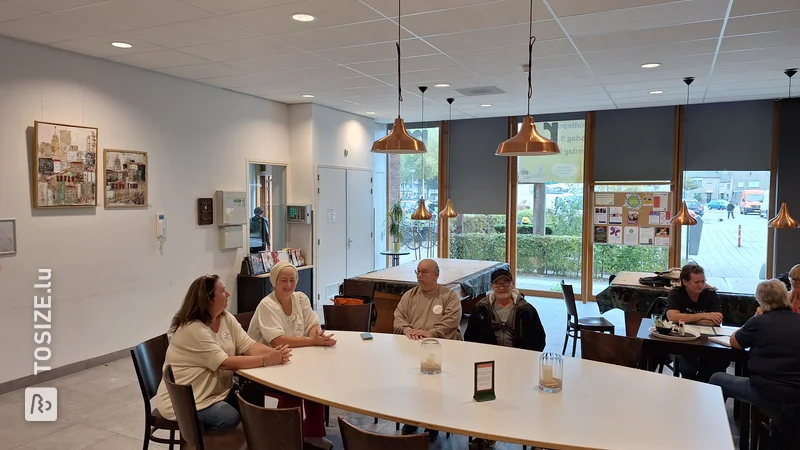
x: 796, y: 280
x: 423, y: 272
x: 502, y: 283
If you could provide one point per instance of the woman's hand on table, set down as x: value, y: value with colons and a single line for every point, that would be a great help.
x: 323, y: 339
x: 279, y: 355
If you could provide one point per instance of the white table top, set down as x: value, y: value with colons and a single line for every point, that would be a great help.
x: 731, y: 285
x: 601, y: 406
x: 450, y: 270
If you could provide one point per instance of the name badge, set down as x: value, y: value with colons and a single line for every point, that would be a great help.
x: 437, y: 309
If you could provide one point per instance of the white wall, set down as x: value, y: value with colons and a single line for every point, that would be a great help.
x: 111, y: 287
x: 334, y: 131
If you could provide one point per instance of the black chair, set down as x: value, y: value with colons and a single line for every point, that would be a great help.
x: 271, y: 428
x: 148, y: 361
x: 244, y: 319
x: 576, y: 324
x: 357, y: 439
x: 611, y: 349
x: 659, y: 307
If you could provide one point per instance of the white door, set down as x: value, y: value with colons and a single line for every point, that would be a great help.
x: 331, y: 216
x: 359, y: 223
x: 379, y: 204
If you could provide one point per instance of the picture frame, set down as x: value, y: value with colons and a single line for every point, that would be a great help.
x: 64, y: 165
x: 125, y: 175
x: 257, y: 264
x: 8, y: 237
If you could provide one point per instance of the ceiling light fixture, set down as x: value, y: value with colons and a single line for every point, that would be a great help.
x: 303, y: 17
x: 784, y: 219
x: 528, y: 141
x: 651, y: 65
x: 399, y: 141
x: 308, y: 96
x: 370, y: 112
x: 684, y: 217
x: 441, y: 85
x: 449, y: 212
x: 121, y: 45
x: 657, y: 91
x: 486, y: 105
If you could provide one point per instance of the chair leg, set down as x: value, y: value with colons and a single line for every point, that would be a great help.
x: 397, y: 426
x: 172, y: 439
x: 327, y: 415
x: 566, y: 341
x: 146, y: 437
x: 575, y: 341
x: 376, y: 420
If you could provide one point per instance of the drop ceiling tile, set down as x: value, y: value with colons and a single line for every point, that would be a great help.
x: 100, y: 46
x: 241, y: 49
x: 724, y: 74
x: 377, y: 52
x: 669, y: 86
x: 320, y: 74
x: 125, y: 15
x: 46, y: 29
x: 515, y: 67
x: 518, y: 51
x: 13, y: 11
x: 656, y: 16
x: 655, y: 36
x: 195, y: 32
x: 780, y: 84
x: 469, y: 18
x: 679, y: 74
x: 778, y: 65
x: 158, y: 60
x: 763, y: 6
x: 427, y: 76
x: 496, y: 37
x: 761, y: 40
x: 651, y: 53
x: 344, y: 36
x: 409, y: 7
x: 540, y: 76
x: 567, y: 8
x: 198, y: 71
x: 237, y: 81
x: 280, y: 63
x: 54, y: 5
x: 311, y: 87
x: 276, y: 20
x: 759, y: 55
x: 222, y: 7
x: 408, y: 65
x: 763, y: 23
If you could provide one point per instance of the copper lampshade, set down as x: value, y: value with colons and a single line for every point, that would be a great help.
x: 422, y: 212
x: 399, y: 142
x: 683, y: 217
x: 528, y: 142
x: 783, y: 219
x: 448, y: 212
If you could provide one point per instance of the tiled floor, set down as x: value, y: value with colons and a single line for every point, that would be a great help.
x: 102, y: 409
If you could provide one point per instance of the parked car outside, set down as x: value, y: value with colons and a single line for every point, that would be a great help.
x: 694, y: 205
x: 717, y: 204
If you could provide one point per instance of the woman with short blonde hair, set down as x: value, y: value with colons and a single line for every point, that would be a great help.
x: 794, y: 294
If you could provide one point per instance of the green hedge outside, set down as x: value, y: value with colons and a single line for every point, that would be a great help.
x: 558, y: 255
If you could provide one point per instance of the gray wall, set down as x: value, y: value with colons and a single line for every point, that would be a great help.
x: 787, y: 242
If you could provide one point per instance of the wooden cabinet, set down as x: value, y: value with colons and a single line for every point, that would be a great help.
x: 251, y: 289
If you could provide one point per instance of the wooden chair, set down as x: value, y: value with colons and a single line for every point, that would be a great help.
x: 576, y: 324
x: 357, y: 439
x: 659, y: 307
x: 182, y: 398
x: 348, y: 317
x: 611, y: 349
x: 359, y: 288
x: 270, y: 428
x: 244, y: 319
x: 148, y: 361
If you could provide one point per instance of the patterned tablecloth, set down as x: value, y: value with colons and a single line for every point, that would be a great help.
x: 736, y: 308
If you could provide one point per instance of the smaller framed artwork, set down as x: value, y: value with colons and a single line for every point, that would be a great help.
x: 268, y: 262
x: 125, y: 178
x: 8, y: 237
x: 257, y: 264
x: 64, y: 166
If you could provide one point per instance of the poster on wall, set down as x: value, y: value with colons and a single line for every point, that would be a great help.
x: 65, y: 165
x: 600, y: 215
x: 614, y: 235
x: 566, y: 167
x: 631, y: 218
x: 615, y: 215
x: 8, y: 237
x: 662, y: 236
x: 126, y: 178
x: 600, y: 235
x: 647, y: 236
x: 631, y: 236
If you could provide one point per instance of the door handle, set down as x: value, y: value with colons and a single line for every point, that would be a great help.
x: 349, y: 242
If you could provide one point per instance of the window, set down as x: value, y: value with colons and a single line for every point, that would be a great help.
x: 550, y: 211
x: 478, y: 236
x: 740, y: 184
x: 753, y: 184
x: 266, y: 196
x: 412, y: 177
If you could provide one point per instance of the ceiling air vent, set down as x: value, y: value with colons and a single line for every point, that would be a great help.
x: 482, y: 90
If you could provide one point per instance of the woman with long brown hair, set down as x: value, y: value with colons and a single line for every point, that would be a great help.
x: 207, y: 345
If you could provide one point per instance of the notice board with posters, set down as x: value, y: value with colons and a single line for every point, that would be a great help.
x: 631, y: 218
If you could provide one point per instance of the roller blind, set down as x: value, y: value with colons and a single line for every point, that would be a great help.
x: 477, y: 176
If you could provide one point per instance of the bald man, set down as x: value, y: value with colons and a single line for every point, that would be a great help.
x: 430, y: 309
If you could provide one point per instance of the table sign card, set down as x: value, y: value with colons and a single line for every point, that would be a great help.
x: 484, y: 381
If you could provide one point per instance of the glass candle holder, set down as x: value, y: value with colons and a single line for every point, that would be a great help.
x: 551, y: 367
x: 430, y: 356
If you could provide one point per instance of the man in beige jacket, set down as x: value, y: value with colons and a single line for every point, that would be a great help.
x: 430, y: 309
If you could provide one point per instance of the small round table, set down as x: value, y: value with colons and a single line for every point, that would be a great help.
x: 395, y: 256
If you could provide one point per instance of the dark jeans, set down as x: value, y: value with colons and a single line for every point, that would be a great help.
x: 730, y: 215
x: 701, y: 369
x: 221, y: 414
x: 740, y: 389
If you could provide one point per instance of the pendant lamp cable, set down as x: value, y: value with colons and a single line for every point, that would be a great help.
x: 688, y: 81
x: 399, y: 88
x: 531, y: 40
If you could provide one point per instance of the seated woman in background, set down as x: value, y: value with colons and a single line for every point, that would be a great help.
x: 794, y: 294
x: 773, y: 338
x: 207, y: 345
x: 285, y: 318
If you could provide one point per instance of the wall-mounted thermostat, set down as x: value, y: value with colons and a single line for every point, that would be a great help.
x: 298, y: 214
x: 230, y: 208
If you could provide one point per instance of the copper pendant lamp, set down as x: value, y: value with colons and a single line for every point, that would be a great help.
x: 528, y: 141
x: 684, y: 217
x: 398, y: 142
x: 422, y: 212
x: 448, y: 212
x: 784, y: 219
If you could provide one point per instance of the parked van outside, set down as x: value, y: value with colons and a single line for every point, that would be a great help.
x: 751, y: 201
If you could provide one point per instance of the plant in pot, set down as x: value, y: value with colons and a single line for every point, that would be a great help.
x: 395, y: 218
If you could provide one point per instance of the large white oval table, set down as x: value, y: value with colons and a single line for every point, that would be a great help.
x: 602, y: 406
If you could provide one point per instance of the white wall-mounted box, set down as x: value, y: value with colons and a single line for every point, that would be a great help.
x: 230, y: 207
x: 231, y: 237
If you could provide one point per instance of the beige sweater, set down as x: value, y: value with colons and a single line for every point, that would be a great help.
x: 438, y: 313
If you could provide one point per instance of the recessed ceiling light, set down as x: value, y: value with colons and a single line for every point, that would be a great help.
x: 308, y: 96
x: 121, y: 45
x: 485, y: 105
x: 441, y: 85
x: 370, y: 112
x: 657, y: 91
x: 651, y: 65
x: 303, y: 17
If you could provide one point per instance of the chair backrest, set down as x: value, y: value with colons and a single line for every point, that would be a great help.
x: 357, y: 439
x: 348, y: 317
x: 359, y: 288
x: 658, y: 306
x: 148, y: 361
x: 271, y: 428
x: 244, y: 319
x: 611, y: 349
x: 182, y: 398
x: 569, y: 299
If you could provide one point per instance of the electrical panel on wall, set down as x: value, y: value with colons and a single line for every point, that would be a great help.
x: 231, y: 208
x: 298, y: 214
x: 231, y: 237
x: 205, y: 211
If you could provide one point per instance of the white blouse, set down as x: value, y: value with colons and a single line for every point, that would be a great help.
x: 270, y: 322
